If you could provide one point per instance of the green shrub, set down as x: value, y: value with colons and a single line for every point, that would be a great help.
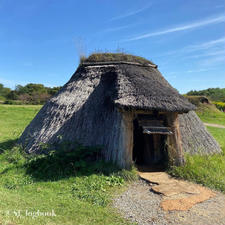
x: 220, y: 105
x: 13, y: 102
x: 15, y: 156
x: 215, y: 94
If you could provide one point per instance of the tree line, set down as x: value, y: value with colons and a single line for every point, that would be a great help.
x: 39, y: 94
x: 214, y: 94
x: 28, y: 94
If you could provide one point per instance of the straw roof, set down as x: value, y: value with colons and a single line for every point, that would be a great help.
x: 85, y: 109
x: 195, y: 137
x: 139, y: 84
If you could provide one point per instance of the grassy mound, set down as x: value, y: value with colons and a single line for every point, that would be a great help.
x: 208, y: 113
x: 197, y: 100
x: 206, y: 110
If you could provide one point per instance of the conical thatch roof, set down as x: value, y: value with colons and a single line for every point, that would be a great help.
x: 96, y: 87
x: 195, y: 137
x: 138, y: 83
x: 88, y: 107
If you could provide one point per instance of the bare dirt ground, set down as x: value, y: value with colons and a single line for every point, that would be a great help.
x: 141, y: 205
x: 214, y: 125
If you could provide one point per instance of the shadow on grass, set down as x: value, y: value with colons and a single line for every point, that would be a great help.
x: 83, y: 161
x: 7, y: 145
x: 59, y: 164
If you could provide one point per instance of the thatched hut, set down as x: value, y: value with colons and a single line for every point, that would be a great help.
x: 119, y: 102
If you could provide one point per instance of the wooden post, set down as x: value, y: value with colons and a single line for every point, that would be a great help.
x: 126, y: 140
x: 175, y: 151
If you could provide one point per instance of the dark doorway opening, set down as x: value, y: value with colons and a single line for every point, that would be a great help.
x: 149, y: 150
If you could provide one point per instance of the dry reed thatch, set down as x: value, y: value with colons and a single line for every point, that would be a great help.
x: 195, y: 137
x: 88, y: 107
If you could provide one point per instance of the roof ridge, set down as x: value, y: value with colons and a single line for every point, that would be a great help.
x: 118, y: 62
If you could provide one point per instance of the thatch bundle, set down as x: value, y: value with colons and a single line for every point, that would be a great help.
x: 92, y: 106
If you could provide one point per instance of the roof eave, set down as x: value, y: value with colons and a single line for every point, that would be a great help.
x: 146, y: 108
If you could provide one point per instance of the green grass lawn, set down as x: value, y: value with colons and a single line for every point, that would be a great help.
x: 45, y: 184
x: 13, y: 120
x: 79, y: 192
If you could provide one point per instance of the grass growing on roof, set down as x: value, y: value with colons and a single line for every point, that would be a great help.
x: 77, y: 195
x: 107, y: 57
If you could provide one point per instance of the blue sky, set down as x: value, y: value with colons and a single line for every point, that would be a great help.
x: 41, y: 40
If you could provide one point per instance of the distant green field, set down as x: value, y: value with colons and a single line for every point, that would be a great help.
x: 77, y: 197
x: 14, y: 118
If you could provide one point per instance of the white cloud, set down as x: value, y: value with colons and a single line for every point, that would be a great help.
x: 206, y: 54
x: 205, y: 45
x: 218, y: 19
x: 212, y: 52
x: 212, y: 47
x: 215, y: 61
x: 131, y: 13
x: 198, y: 71
x: 112, y: 29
